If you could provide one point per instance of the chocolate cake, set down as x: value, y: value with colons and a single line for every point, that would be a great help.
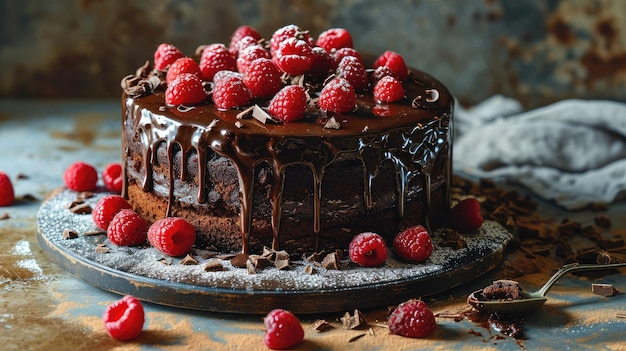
x: 245, y: 182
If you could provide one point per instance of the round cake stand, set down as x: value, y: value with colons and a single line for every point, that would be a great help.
x: 151, y: 276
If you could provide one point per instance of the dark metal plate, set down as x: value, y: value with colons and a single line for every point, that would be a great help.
x: 140, y: 271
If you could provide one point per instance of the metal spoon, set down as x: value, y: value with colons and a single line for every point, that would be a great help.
x: 530, y: 301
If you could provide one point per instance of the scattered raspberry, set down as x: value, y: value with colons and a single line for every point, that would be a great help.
x: 334, y: 38
x: 263, y: 78
x: 182, y: 65
x: 80, y: 176
x: 352, y: 70
x: 323, y: 65
x: 289, y: 104
x: 394, y: 61
x: 112, y: 177
x: 7, y: 196
x: 293, y: 56
x: 165, y: 55
x: 172, y: 236
x: 240, y: 33
x: 339, y: 54
x: 412, y: 319
x: 185, y: 89
x: 286, y: 32
x: 124, y: 319
x: 215, y: 58
x: 368, y: 250
x: 248, y: 55
x: 466, y: 216
x: 413, y: 244
x: 388, y: 89
x: 127, y: 228
x: 230, y: 92
x: 337, y: 96
x: 282, y: 330
x: 106, y: 208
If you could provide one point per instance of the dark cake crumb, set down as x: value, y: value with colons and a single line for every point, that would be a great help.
x: 503, y: 290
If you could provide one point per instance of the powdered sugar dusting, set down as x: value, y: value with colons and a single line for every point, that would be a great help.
x: 147, y: 262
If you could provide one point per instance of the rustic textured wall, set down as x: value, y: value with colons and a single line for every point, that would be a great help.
x: 536, y: 50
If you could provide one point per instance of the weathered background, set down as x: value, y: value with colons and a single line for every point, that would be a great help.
x: 537, y: 51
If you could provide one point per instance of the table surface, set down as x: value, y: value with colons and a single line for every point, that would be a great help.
x: 44, y: 307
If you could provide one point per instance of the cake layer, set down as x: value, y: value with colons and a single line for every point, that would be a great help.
x: 246, y: 183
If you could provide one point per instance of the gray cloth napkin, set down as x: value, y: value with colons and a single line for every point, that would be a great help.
x: 572, y: 152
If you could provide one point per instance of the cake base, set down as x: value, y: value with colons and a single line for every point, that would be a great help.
x: 149, y: 275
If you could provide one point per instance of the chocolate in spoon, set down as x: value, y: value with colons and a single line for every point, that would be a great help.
x: 529, y: 302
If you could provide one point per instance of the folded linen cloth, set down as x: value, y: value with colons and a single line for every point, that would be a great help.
x: 572, y: 152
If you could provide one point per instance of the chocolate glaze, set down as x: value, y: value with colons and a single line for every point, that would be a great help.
x: 411, y: 134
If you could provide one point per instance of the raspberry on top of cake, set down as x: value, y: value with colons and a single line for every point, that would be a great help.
x: 289, y: 141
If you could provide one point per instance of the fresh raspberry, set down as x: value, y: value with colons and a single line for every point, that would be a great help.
x: 243, y: 44
x: 182, y: 65
x: 394, y: 61
x: 7, y: 196
x: 337, y: 96
x: 124, y: 319
x: 230, y: 92
x: 165, y: 55
x: 388, y: 89
x: 286, y: 32
x: 413, y: 244
x: 172, y: 236
x: 185, y: 89
x: 216, y: 58
x: 222, y: 75
x: 323, y: 65
x: 106, y: 208
x: 240, y: 33
x: 80, y: 176
x: 293, y: 56
x: 248, y: 55
x: 112, y: 177
x: 289, y: 104
x: 412, y: 319
x: 352, y: 70
x: 339, y: 54
x: 368, y: 250
x: 379, y: 73
x: 466, y: 216
x: 263, y: 78
x: 282, y: 330
x: 334, y: 38
x: 127, y: 228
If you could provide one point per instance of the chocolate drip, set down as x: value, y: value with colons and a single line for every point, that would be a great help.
x: 410, y: 138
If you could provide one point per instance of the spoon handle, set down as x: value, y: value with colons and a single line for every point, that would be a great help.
x: 574, y: 267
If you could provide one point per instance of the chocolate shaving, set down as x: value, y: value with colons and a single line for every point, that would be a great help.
x: 281, y: 263
x: 166, y: 261
x: 321, y: 325
x: 603, y: 221
x: 213, y: 265
x: 603, y: 289
x: 353, y: 321
x: 263, y: 116
x: 29, y: 197
x: 331, y: 261
x: 332, y: 124
x: 259, y: 261
x: 81, y: 208
x: 250, y: 267
x: 356, y: 337
x: 5, y: 216
x: 70, y: 234
x: 247, y: 113
x: 102, y: 248
x: 188, y: 261
x: 22, y: 176
x: 239, y: 260
x: 94, y: 232
x: 239, y: 125
x: 84, y: 195
x: 308, y: 269
x: 185, y: 108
